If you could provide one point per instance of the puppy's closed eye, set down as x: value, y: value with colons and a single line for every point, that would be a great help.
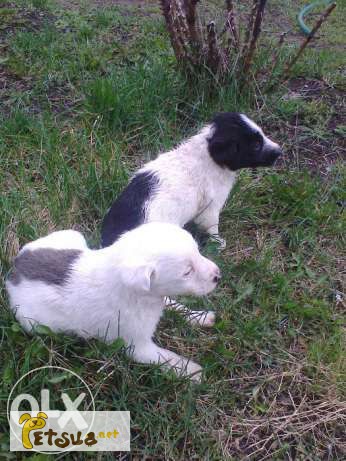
x: 188, y: 271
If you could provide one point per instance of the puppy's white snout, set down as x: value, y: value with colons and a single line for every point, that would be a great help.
x: 214, y: 272
x: 217, y: 275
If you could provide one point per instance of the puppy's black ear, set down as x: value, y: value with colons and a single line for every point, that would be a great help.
x: 223, y: 150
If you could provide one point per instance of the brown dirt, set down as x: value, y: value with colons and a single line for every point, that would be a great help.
x: 60, y: 99
x: 21, y: 18
x: 75, y: 4
x: 11, y: 82
x: 303, y: 145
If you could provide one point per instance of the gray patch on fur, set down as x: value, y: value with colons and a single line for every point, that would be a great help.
x: 44, y: 264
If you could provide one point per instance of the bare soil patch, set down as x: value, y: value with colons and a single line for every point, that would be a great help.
x: 316, y: 149
x: 11, y: 83
x: 14, y: 18
x: 75, y: 4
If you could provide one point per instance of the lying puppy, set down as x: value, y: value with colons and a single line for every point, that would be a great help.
x: 117, y: 291
x: 193, y: 181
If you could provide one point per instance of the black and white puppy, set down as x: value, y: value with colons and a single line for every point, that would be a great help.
x: 192, y: 181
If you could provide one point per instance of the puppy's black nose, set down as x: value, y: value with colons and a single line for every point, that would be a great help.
x: 217, y: 277
x: 278, y: 152
x: 271, y: 156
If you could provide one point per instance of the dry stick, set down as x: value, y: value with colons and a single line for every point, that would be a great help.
x: 231, y: 25
x: 249, y: 28
x: 181, y: 23
x: 177, y: 28
x: 276, y: 54
x: 181, y: 30
x: 255, y: 34
x: 167, y: 13
x: 304, y: 44
x: 190, y: 11
x: 214, y: 57
x: 189, y: 43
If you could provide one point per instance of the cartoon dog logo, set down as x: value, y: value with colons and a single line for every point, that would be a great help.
x: 32, y: 423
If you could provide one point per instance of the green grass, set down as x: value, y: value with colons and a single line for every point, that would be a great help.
x: 91, y: 94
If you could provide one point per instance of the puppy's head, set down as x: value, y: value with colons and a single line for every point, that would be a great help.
x: 164, y: 260
x: 237, y: 142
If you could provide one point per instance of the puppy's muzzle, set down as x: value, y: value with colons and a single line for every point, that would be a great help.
x: 217, y: 276
x: 270, y: 155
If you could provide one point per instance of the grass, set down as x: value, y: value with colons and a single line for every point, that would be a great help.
x: 90, y: 94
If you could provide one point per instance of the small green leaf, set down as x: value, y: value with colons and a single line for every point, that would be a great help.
x: 8, y: 374
x: 117, y: 345
x: 43, y: 330
x: 16, y: 328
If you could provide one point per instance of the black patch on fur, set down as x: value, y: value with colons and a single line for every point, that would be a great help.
x: 236, y: 145
x: 201, y: 236
x: 127, y: 212
x: 47, y: 265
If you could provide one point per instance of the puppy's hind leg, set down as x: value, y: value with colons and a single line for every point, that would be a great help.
x: 151, y: 353
x: 203, y: 318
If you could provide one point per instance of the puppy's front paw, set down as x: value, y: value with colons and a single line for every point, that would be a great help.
x: 208, y: 320
x: 194, y: 372
x: 202, y: 318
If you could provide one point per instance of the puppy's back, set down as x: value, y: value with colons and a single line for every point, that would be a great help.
x: 128, y: 210
x: 65, y: 239
x: 41, y: 270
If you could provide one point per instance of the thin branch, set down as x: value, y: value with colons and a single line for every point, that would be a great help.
x: 255, y: 34
x: 166, y: 6
x: 196, y: 50
x: 276, y: 53
x: 181, y: 31
x: 304, y: 44
x: 231, y: 25
x: 214, y: 57
x: 275, y: 57
x: 249, y: 28
x: 190, y: 11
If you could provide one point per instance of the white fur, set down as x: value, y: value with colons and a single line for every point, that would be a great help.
x: 191, y: 185
x: 119, y: 290
x: 59, y: 240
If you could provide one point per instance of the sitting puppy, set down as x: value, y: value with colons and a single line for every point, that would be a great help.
x: 117, y: 291
x: 193, y: 181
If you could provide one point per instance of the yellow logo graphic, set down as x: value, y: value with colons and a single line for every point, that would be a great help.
x: 31, y: 424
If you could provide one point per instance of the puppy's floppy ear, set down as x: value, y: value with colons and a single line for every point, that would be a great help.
x: 138, y: 276
x: 222, y: 148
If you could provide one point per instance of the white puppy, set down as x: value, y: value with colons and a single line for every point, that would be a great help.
x: 116, y: 291
x: 191, y: 182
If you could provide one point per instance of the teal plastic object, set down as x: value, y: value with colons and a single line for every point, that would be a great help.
x: 306, y: 30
